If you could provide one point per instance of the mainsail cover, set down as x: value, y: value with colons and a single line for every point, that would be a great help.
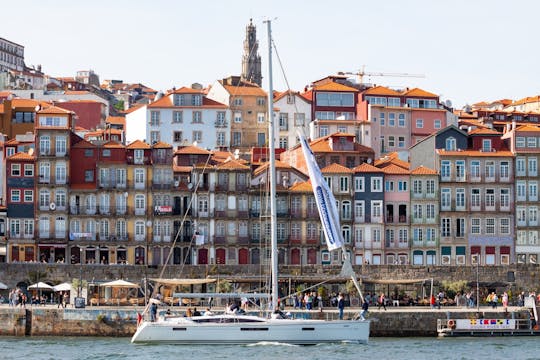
x: 326, y: 203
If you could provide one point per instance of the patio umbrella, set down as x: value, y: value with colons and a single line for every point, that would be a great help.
x: 120, y: 284
x: 41, y: 286
x: 3, y: 286
x: 63, y: 287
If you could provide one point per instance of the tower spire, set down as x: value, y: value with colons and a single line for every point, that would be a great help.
x: 251, y: 60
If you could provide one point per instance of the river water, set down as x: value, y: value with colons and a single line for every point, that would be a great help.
x: 54, y: 348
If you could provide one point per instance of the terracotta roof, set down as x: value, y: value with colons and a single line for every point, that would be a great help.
x: 187, y: 90
x: 526, y: 100
x: 232, y: 165
x: 304, y: 186
x: 161, y: 145
x: 381, y: 90
x: 395, y: 170
x: 336, y: 169
x: 422, y: 170
x: 133, y: 108
x: 21, y: 156
x: 484, y: 131
x: 138, y: 144
x: 367, y: 168
x: 244, y: 90
x: 113, y: 145
x: 167, y: 102
x: 54, y: 110
x: 279, y: 165
x: 419, y: 93
x: 182, y: 169
x: 334, y: 86
x: 194, y: 150
x: 119, y: 120
x: 528, y: 128
x: 391, y: 158
x: 278, y: 96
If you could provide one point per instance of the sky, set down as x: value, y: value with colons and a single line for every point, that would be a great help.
x: 467, y: 51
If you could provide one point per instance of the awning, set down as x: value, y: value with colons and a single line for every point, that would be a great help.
x: 183, y: 281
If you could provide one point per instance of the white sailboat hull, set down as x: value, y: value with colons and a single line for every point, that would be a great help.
x: 242, y: 329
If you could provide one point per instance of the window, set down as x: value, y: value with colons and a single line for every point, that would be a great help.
x: 533, y: 191
x: 359, y: 209
x: 376, y: 184
x: 417, y: 212
x: 450, y: 144
x: 505, y: 226
x: 237, y: 117
x: 531, y: 142
x: 430, y: 212
x: 382, y: 117
x: 299, y: 119
x: 343, y: 184
x: 504, y: 170
x: 417, y: 187
x: 430, y: 187
x: 61, y: 145
x: 262, y: 101
x: 486, y: 145
x: 521, y: 190
x: 419, y: 123
x: 323, y: 130
x: 446, y: 195
x: 261, y: 118
x: 460, y: 199
x: 177, y: 117
x: 28, y: 196
x: 532, y: 166
x: 475, y: 226
x: 15, y: 195
x: 505, y: 198
x: 445, y: 169
x: 220, y: 138
x: 391, y: 141
x: 401, y: 120
x: 237, y: 101
x: 391, y: 119
x: 394, y: 102
x: 44, y: 145
x: 236, y: 138
x: 402, y: 186
x: 196, y: 100
x: 490, y: 198
x: 359, y: 184
x: 490, y: 170
x: 196, y: 117
x: 154, y: 136
x: 197, y: 136
x: 445, y: 227
x: 106, y: 152
x: 334, y: 99
x: 15, y: 169
x: 401, y: 141
x: 89, y: 176
x: 520, y: 142
x: 460, y: 227
x: 460, y: 170
x: 88, y: 153
x: 475, y: 169
x: 437, y: 124
x: 154, y: 118
x: 177, y: 136
x: 490, y: 226
x: 388, y: 186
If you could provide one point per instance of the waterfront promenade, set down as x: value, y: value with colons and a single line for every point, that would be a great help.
x: 121, y: 321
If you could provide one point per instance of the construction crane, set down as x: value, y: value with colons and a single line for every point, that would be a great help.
x: 362, y: 73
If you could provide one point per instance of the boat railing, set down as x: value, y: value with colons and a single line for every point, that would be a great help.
x: 447, y: 325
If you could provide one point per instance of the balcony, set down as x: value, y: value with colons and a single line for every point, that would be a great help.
x: 162, y: 186
x: 220, y: 124
x: 243, y: 240
x: 219, y: 239
x: 243, y: 214
x: 222, y: 187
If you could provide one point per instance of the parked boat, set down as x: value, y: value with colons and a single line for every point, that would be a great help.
x: 238, y: 328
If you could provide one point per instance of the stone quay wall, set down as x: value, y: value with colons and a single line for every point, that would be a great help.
x: 122, y: 322
x: 515, y: 277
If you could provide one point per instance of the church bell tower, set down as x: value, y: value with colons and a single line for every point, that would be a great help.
x: 251, y: 60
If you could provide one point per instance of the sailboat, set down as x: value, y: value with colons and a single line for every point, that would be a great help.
x: 234, y: 328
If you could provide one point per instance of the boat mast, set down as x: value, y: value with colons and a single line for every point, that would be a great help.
x: 271, y: 147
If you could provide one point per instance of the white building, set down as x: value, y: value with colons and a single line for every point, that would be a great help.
x: 185, y: 116
x: 293, y: 113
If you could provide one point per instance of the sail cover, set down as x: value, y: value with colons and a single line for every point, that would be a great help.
x: 326, y: 203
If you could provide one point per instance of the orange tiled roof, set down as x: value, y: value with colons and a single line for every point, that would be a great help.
x: 54, y: 110
x: 119, y: 120
x: 365, y: 167
x: 279, y: 165
x: 182, y: 169
x: 381, y: 90
x: 138, y: 144
x: 304, y: 186
x: 484, y: 131
x: 244, y: 90
x: 21, y: 156
x: 392, y: 158
x: 194, y: 150
x: 83, y: 144
x: 422, y: 170
x: 526, y: 100
x: 336, y: 169
x: 113, y: 145
x: 395, y: 170
x: 334, y: 86
x: 161, y: 145
x: 133, y: 108
x: 278, y: 96
x: 233, y: 165
x: 419, y: 92
x: 528, y: 128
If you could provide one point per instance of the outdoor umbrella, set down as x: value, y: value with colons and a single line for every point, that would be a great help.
x: 63, y: 287
x: 120, y: 284
x: 41, y: 286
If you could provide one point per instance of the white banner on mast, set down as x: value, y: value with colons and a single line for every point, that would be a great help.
x: 326, y: 203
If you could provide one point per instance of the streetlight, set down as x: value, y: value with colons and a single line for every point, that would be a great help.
x: 79, y: 289
x: 477, y: 256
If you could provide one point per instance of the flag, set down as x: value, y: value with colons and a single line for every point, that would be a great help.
x: 326, y: 203
x: 139, y: 319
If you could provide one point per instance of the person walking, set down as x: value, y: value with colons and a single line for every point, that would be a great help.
x: 365, y: 307
x: 382, y: 302
x: 341, y: 305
